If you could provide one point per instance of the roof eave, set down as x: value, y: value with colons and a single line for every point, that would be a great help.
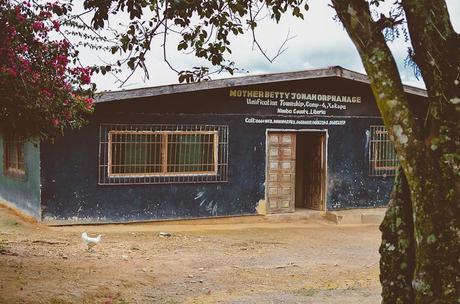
x: 335, y: 71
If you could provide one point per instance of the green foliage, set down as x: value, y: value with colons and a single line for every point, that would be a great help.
x: 205, y: 27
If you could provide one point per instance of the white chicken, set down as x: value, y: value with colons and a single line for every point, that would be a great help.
x: 90, y: 241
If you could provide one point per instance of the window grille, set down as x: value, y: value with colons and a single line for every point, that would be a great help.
x: 383, y: 160
x: 13, y: 158
x: 153, y: 154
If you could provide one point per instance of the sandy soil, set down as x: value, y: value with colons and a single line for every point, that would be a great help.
x: 314, y: 262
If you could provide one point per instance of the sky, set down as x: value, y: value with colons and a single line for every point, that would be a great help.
x: 319, y: 41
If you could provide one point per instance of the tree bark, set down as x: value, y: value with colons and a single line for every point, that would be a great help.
x: 437, y: 54
x: 430, y: 156
x: 397, y: 250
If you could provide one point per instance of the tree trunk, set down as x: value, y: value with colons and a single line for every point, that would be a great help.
x: 437, y: 205
x: 430, y: 156
x: 397, y: 250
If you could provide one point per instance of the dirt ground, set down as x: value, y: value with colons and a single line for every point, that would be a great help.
x: 296, y: 262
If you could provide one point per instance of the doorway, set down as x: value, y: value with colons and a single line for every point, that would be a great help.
x: 296, y: 170
x: 310, y: 179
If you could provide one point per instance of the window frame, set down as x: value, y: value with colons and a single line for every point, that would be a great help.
x: 375, y: 154
x: 13, y: 168
x: 164, y: 154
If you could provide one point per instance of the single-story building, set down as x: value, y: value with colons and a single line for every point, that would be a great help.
x: 268, y: 143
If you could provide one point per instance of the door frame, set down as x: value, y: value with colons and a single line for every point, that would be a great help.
x: 326, y: 135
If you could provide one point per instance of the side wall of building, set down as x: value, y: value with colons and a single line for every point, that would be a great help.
x: 23, y: 193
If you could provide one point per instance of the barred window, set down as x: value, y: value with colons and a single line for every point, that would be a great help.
x: 191, y: 152
x: 13, y: 156
x: 142, y: 154
x: 162, y: 152
x: 383, y: 160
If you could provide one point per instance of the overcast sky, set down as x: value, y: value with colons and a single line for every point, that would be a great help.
x: 319, y: 42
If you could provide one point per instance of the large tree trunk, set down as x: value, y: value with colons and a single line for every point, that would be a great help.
x: 437, y: 207
x: 430, y: 156
x: 397, y: 250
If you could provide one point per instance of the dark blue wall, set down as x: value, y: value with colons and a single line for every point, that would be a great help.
x: 349, y: 184
x: 70, y: 190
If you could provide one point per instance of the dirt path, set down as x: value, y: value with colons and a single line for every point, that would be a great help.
x: 299, y: 262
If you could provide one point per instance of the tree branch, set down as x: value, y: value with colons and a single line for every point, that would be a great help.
x: 387, y: 22
x: 255, y: 41
x: 436, y: 47
x: 384, y: 76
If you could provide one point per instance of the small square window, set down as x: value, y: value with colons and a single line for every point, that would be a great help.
x: 383, y: 160
x: 13, y: 157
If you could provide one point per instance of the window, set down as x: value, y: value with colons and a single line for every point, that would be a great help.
x: 162, y: 152
x: 13, y: 156
x: 144, y: 154
x: 383, y: 160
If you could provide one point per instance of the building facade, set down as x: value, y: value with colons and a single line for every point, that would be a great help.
x: 256, y: 144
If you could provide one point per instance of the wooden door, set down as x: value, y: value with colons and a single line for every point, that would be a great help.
x: 315, y: 180
x: 281, y: 172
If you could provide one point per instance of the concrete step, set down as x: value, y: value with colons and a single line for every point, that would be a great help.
x: 356, y: 216
x: 298, y: 215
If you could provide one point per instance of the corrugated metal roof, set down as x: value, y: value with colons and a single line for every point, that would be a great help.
x: 335, y: 71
